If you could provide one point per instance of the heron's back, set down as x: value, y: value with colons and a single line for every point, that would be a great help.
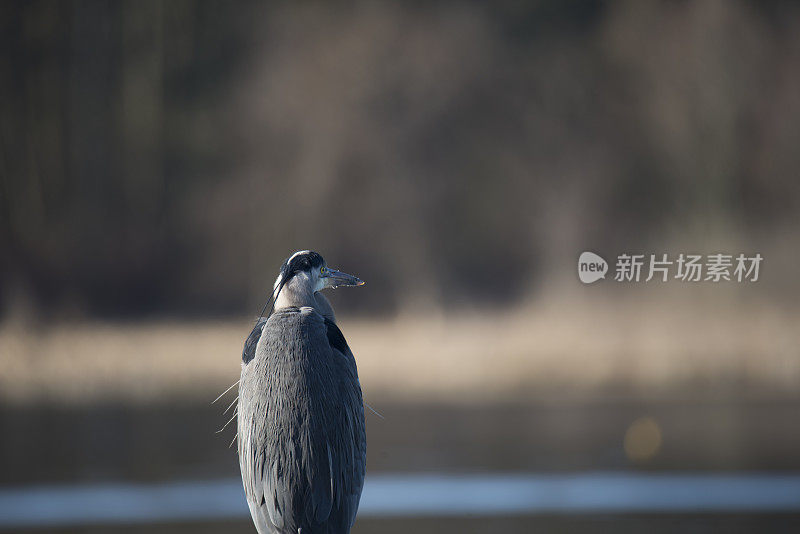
x: 302, y: 446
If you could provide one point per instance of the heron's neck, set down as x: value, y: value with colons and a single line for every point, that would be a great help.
x: 298, y: 292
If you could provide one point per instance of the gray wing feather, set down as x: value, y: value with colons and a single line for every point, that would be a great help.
x: 249, y: 351
x: 302, y: 445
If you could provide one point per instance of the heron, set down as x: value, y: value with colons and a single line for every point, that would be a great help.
x: 301, y: 438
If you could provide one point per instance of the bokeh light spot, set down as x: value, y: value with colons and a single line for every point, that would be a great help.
x: 642, y: 439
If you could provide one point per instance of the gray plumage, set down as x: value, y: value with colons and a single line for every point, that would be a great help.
x: 302, y: 443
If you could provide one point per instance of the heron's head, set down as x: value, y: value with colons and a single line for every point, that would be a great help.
x: 306, y: 270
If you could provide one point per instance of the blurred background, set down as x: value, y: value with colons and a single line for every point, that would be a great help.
x: 159, y: 160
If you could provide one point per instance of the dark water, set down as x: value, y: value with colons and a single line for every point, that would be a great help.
x: 46, y: 445
x: 582, y: 524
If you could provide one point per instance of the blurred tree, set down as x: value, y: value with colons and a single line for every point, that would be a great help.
x: 164, y: 157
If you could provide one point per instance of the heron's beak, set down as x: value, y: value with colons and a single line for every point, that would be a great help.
x: 334, y: 279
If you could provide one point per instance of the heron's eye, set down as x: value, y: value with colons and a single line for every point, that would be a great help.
x: 323, y: 270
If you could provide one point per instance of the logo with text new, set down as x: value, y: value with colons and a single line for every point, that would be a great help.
x: 591, y: 267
